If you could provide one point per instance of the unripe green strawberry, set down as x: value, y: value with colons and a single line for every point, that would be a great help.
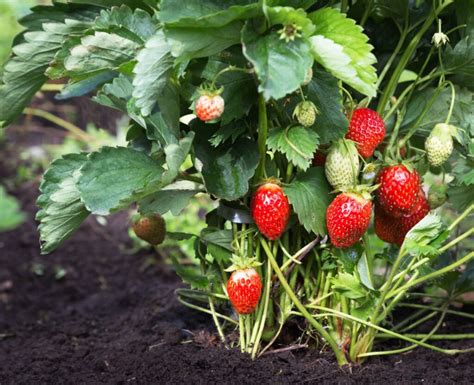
x: 439, y: 144
x: 305, y: 112
x: 342, y: 165
x: 151, y: 229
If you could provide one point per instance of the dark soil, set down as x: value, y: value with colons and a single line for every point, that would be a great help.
x: 113, y: 319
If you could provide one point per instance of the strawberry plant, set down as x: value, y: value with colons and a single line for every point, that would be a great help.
x: 296, y: 118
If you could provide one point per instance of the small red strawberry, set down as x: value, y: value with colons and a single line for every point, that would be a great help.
x: 270, y: 210
x: 244, y: 288
x: 420, y: 211
x: 387, y: 227
x: 151, y: 229
x: 367, y: 129
x: 209, y: 106
x: 398, y: 191
x: 319, y: 159
x: 348, y: 218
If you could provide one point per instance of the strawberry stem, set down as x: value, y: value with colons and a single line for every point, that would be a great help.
x: 341, y: 359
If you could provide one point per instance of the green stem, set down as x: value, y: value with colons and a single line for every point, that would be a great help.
x: 435, y: 274
x: 428, y: 307
x: 68, y: 126
x: 52, y: 87
x: 204, y: 310
x: 411, y: 347
x: 435, y: 337
x: 422, y: 320
x: 451, y: 105
x: 268, y: 283
x: 216, y: 320
x: 262, y: 136
x: 407, y: 54
x: 456, y: 240
x: 368, y: 9
x: 461, y: 217
x: 195, y: 179
x: 242, y: 333
x: 341, y: 359
x: 420, y: 118
x: 389, y: 332
x: 389, y: 63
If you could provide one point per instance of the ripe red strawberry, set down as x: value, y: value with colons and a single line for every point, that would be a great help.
x: 244, y: 288
x: 151, y: 229
x: 367, y: 129
x: 347, y: 218
x: 387, y: 227
x: 209, y: 106
x: 398, y: 191
x: 394, y: 230
x: 420, y: 211
x: 270, y: 210
x: 319, y: 159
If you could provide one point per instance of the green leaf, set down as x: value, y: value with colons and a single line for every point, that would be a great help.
x: 364, y: 272
x: 192, y: 42
x: 221, y: 238
x: 99, y: 52
x: 136, y: 25
x: 111, y: 3
x: 323, y: 91
x: 461, y: 197
x: 171, y: 199
x: 114, y: 177
x: 162, y: 126
x: 309, y: 195
x: 10, y: 213
x: 23, y: 74
x: 281, y: 67
x: 226, y: 170
x: 460, y: 60
x: 175, y: 156
x: 342, y: 48
x: 297, y: 143
x: 206, y: 13
x: 230, y: 131
x: 240, y: 93
x: 349, y: 286
x: 463, y: 113
x: 417, y: 241
x: 83, y: 87
x: 289, y: 15
x: 191, y: 276
x: 61, y: 209
x: 152, y: 72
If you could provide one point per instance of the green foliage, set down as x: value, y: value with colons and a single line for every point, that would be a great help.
x: 281, y: 66
x: 341, y: 47
x: 226, y: 170
x: 113, y: 178
x: 152, y: 72
x: 61, y: 209
x: 10, y: 214
x: 297, y: 143
x: 309, y: 196
x: 23, y: 74
x: 323, y: 91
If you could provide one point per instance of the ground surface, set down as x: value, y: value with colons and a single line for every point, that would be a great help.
x: 113, y: 319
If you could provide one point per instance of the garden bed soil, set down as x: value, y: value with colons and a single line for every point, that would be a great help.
x: 113, y: 318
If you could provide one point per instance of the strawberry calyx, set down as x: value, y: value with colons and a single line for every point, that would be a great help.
x: 210, y: 90
x: 242, y: 263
